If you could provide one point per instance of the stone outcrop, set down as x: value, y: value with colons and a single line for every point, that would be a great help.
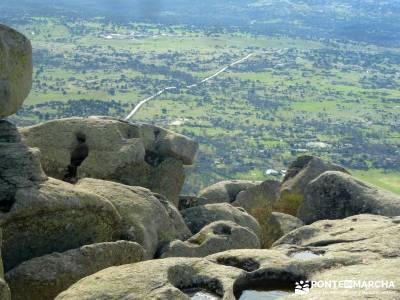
x: 278, y: 225
x: 15, y: 70
x: 259, y: 201
x: 215, y: 237
x: 132, y: 154
x: 301, y: 172
x: 170, y: 278
x: 367, y: 245
x: 19, y: 166
x: 371, y: 237
x: 225, y: 191
x: 342, y: 248
x: 146, y: 219
x: 336, y: 195
x: 198, y: 217
x: 43, y: 278
x: 54, y: 217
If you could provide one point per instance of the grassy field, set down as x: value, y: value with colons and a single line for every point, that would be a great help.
x: 386, y: 180
x: 258, y: 115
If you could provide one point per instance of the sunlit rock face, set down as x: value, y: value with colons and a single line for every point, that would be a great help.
x: 43, y: 278
x: 336, y: 195
x: 147, y: 218
x: 300, y: 173
x: 216, y: 237
x: 110, y: 149
x: 199, y: 216
x: 348, y: 248
x: 15, y: 70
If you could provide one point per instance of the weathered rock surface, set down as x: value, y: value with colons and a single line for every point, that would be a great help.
x: 54, y: 216
x: 155, y: 279
x: 40, y: 215
x: 146, y: 219
x: 259, y: 202
x: 216, y: 237
x: 225, y: 274
x: 15, y: 70
x: 369, y: 236
x: 132, y: 154
x: 43, y: 278
x: 250, y: 260
x: 19, y: 166
x: 363, y: 247
x: 169, y: 144
x: 198, y: 217
x: 278, y: 225
x: 302, y: 171
x: 225, y: 191
x: 336, y: 195
x: 367, y: 246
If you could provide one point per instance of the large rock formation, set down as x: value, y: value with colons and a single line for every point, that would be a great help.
x: 336, y: 195
x: 259, y: 202
x: 172, y: 278
x: 302, y: 171
x: 370, y: 237
x: 225, y: 191
x: 43, y: 278
x: 348, y: 249
x: 54, y: 217
x: 215, y: 237
x: 110, y: 149
x: 368, y: 243
x: 146, y: 219
x: 15, y: 70
x: 258, y: 199
x: 198, y: 217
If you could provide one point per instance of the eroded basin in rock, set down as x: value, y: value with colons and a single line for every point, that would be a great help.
x: 265, y: 284
x: 263, y: 295
x: 305, y: 255
x: 201, y: 294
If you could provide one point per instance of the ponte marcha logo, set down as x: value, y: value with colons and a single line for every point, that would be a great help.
x: 302, y: 287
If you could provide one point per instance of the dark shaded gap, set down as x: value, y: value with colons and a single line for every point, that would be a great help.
x: 7, y: 203
x: 222, y: 229
x: 246, y: 264
x: 266, y: 280
x: 78, y: 155
x: 153, y: 159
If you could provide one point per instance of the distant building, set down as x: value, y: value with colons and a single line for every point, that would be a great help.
x: 272, y: 172
x: 318, y: 145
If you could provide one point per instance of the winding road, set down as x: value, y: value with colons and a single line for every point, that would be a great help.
x: 166, y: 89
